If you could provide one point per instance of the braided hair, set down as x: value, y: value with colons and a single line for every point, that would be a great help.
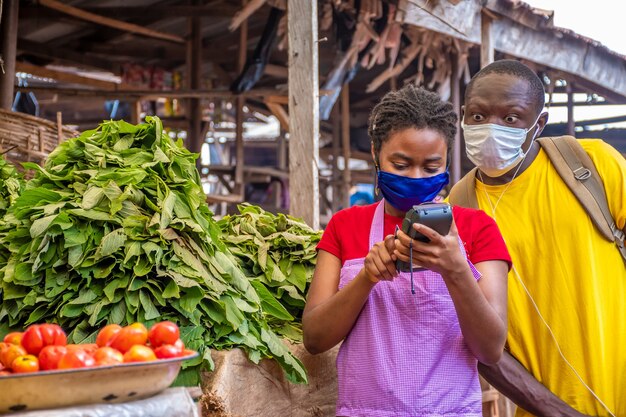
x: 411, y: 107
x: 535, y: 91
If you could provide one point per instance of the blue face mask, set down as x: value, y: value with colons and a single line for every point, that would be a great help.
x: 405, y: 192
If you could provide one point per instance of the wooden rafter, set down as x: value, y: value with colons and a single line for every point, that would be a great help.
x: 106, y: 21
x: 158, y: 12
x: 66, y: 55
x: 281, y: 114
x: 69, y: 77
x: 149, y: 94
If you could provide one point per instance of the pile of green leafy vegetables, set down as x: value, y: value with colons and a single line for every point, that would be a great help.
x: 277, y: 253
x: 114, y: 228
x: 11, y: 183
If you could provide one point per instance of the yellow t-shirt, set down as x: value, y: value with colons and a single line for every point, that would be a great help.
x: 575, y: 276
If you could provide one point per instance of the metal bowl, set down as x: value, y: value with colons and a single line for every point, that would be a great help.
x: 103, y: 384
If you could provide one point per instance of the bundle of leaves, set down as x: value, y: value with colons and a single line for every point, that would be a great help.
x: 11, y: 184
x: 277, y: 253
x: 115, y: 229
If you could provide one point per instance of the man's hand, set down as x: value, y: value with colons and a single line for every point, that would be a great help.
x: 513, y: 380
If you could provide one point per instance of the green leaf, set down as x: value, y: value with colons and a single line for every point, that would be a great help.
x: 148, y: 307
x: 111, y: 243
x: 92, y: 198
x: 41, y: 225
x: 269, y: 303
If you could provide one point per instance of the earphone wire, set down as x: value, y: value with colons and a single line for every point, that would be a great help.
x: 558, y: 346
x: 543, y: 320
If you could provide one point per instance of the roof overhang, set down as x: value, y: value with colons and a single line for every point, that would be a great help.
x: 526, y: 33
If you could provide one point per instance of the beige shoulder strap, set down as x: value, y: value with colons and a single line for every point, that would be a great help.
x: 579, y: 173
x: 463, y: 193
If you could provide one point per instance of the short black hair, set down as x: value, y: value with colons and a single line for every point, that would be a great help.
x: 411, y: 107
x: 515, y: 68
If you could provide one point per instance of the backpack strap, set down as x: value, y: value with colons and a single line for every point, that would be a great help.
x: 463, y: 193
x: 579, y: 173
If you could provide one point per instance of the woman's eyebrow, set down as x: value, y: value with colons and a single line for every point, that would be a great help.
x: 401, y: 155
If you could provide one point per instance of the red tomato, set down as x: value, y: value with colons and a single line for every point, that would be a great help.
x: 134, y: 334
x: 163, y: 333
x: 25, y: 363
x: 139, y: 353
x: 3, y: 346
x: 37, y: 336
x: 76, y: 358
x: 13, y: 338
x: 108, y: 356
x: 10, y: 353
x: 170, y: 351
x: 106, y: 334
x: 50, y: 356
x: 89, y: 347
x: 187, y: 352
x: 4, y: 373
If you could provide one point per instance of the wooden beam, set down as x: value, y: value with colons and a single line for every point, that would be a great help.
x: 455, y: 99
x: 570, y: 110
x: 241, y: 63
x: 281, y: 114
x: 277, y: 71
x: 106, y: 21
x: 194, y: 74
x: 345, y: 144
x: 277, y: 99
x: 161, y: 51
x: 67, y: 56
x: 9, y: 47
x: 150, y: 94
x: 336, y: 152
x: 281, y: 157
x: 132, y: 12
x: 303, y: 111
x: 486, y: 41
x: 69, y: 77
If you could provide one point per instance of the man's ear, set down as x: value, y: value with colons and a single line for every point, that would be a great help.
x: 462, y: 113
x: 542, y: 121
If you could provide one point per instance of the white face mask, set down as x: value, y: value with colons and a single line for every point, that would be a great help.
x: 493, y: 148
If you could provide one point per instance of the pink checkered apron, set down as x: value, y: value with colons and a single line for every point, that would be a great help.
x: 405, y: 355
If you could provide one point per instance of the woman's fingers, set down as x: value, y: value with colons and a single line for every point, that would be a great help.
x: 381, y: 261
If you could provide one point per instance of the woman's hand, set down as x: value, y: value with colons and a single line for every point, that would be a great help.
x: 442, y: 254
x: 380, y: 262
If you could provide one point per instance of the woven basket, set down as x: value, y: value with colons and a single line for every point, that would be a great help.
x: 26, y: 138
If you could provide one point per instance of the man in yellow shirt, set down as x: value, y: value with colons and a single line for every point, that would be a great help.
x: 566, y: 347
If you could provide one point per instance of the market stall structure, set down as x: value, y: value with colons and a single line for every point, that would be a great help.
x: 219, y: 72
x: 234, y: 79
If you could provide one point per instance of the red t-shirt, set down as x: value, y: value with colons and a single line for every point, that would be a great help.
x: 347, y: 233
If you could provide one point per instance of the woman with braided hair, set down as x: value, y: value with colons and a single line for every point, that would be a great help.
x: 409, y: 353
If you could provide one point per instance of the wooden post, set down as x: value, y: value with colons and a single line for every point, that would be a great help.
x: 194, y: 74
x: 241, y: 63
x: 455, y: 98
x: 571, y: 123
x: 282, y: 165
x: 8, y: 29
x: 486, y: 41
x: 336, y: 176
x: 135, y: 112
x: 345, y: 144
x: 303, y: 111
x: 59, y: 130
